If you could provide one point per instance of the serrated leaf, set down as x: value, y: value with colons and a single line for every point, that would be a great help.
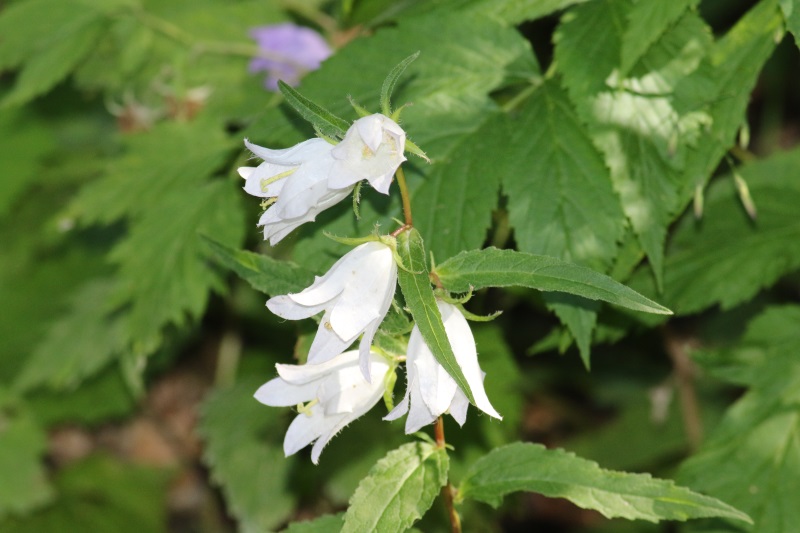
x: 52, y: 63
x: 647, y: 21
x: 560, y: 474
x: 79, y: 344
x: 100, y: 494
x: 752, y: 459
x: 163, y: 272
x: 262, y: 272
x: 398, y: 490
x: 22, y: 445
x: 726, y: 258
x: 250, y: 469
x: 504, y: 268
x: 642, y: 123
x: 515, y: 12
x: 323, y: 120
x: 421, y: 302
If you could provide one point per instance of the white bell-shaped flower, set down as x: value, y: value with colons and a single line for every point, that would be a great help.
x: 355, y: 295
x: 299, y: 177
x: 371, y: 150
x: 336, y: 390
x: 430, y: 390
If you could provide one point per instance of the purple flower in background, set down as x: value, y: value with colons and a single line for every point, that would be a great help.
x: 289, y: 51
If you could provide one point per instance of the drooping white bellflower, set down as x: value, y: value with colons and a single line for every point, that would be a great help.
x: 298, y: 176
x: 431, y: 391
x: 355, y: 294
x: 338, y: 394
x: 372, y: 150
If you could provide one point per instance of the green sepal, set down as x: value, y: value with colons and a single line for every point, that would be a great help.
x: 391, y: 81
x: 389, y: 381
x: 416, y: 150
x: 357, y: 199
x: 479, y: 318
x: 353, y: 241
x: 360, y: 111
x: 325, y: 123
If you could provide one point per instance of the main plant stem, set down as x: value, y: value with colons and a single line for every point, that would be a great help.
x: 447, y: 490
x: 401, y: 182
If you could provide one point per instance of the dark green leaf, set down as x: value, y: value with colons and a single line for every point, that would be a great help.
x: 101, y: 494
x: 647, y: 22
x: 323, y: 120
x: 421, y: 302
x: 560, y: 474
x: 398, y: 490
x: 77, y: 345
x: 504, y: 268
x: 262, y: 272
x: 250, y: 468
x: 726, y: 257
x: 752, y: 459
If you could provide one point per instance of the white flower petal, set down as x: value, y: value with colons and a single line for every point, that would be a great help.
x: 327, y: 344
x: 285, y: 307
x: 278, y: 393
x: 463, y: 343
x: 458, y: 409
x: 302, y: 374
x: 293, y: 156
x: 400, y: 409
x: 418, y: 414
x: 305, y: 429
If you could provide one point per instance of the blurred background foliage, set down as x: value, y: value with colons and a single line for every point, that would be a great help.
x: 129, y: 352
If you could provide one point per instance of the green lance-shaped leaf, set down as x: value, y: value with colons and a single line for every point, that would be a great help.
x: 416, y: 287
x: 560, y: 474
x: 391, y: 80
x: 262, y: 272
x: 323, y: 120
x: 502, y: 268
x: 398, y: 490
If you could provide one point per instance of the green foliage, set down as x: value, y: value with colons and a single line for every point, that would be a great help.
x: 26, y: 140
x: 752, y: 459
x: 101, y: 494
x: 415, y: 284
x: 262, y: 272
x: 705, y: 255
x: 325, y: 122
x: 22, y: 442
x: 559, y: 474
x: 491, y: 267
x: 323, y: 524
x: 252, y: 471
x: 413, y: 475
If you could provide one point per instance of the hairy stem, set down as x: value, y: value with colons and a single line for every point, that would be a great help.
x: 401, y: 182
x: 447, y: 490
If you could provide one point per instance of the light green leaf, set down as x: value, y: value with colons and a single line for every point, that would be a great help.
x: 560, y: 474
x: 79, y: 344
x: 322, y: 524
x: 163, y: 272
x: 421, y: 302
x: 726, y: 257
x: 250, y: 468
x: 262, y: 272
x: 101, y: 494
x: 22, y: 445
x: 647, y: 22
x: 52, y: 62
x: 398, y: 490
x: 752, y: 459
x: 504, y: 268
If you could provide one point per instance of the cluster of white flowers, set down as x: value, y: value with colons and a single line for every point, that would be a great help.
x: 337, y: 386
